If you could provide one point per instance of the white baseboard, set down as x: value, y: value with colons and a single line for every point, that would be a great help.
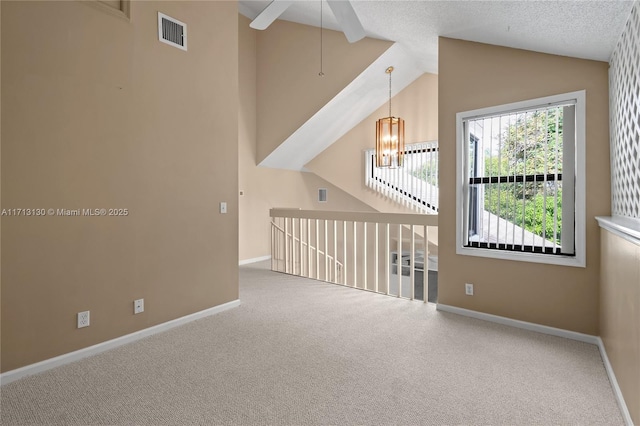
x: 614, y: 384
x: 50, y: 363
x: 254, y: 260
x: 586, y: 338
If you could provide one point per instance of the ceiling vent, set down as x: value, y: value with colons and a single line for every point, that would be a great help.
x: 172, y: 31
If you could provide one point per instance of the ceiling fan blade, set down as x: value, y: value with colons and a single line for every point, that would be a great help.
x: 348, y: 20
x: 270, y: 14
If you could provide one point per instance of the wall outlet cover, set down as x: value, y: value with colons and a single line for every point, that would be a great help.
x: 83, y: 319
x: 468, y: 289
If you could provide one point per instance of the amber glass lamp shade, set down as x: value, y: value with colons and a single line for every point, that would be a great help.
x: 390, y: 142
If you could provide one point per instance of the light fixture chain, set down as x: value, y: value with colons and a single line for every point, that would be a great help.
x: 390, y: 93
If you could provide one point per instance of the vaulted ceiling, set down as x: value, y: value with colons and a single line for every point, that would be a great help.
x: 582, y: 29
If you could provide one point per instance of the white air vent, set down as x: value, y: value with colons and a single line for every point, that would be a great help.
x: 322, y: 195
x: 172, y: 31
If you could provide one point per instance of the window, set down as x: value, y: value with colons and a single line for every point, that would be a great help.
x: 521, y: 181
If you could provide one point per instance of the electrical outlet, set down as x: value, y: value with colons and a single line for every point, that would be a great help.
x: 83, y: 319
x: 138, y: 306
x: 468, y: 289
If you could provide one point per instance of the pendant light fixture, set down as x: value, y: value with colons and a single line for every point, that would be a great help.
x: 389, y: 137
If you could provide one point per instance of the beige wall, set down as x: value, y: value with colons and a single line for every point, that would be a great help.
x: 473, y: 75
x: 98, y: 113
x: 620, y: 314
x: 288, y: 86
x: 265, y: 188
x: 0, y: 190
x: 342, y: 163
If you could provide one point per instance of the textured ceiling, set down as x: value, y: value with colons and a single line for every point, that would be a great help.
x: 583, y: 29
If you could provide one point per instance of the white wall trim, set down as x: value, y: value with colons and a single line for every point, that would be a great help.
x: 50, y: 363
x: 614, y: 384
x: 625, y: 227
x: 586, y: 338
x: 253, y: 260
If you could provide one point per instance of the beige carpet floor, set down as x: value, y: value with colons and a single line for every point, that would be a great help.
x: 302, y: 352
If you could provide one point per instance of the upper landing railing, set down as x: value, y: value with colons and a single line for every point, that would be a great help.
x: 358, y: 249
x: 414, y: 185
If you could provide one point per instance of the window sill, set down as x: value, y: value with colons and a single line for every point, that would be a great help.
x: 550, y: 259
x: 625, y: 227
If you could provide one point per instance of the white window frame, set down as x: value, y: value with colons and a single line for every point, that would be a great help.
x: 579, y: 259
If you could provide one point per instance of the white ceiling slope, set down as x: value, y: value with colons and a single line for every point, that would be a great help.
x: 353, y: 104
x: 587, y: 29
x: 578, y: 28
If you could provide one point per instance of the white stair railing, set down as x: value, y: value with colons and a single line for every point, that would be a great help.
x: 380, y: 252
x: 415, y: 184
x: 281, y: 239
